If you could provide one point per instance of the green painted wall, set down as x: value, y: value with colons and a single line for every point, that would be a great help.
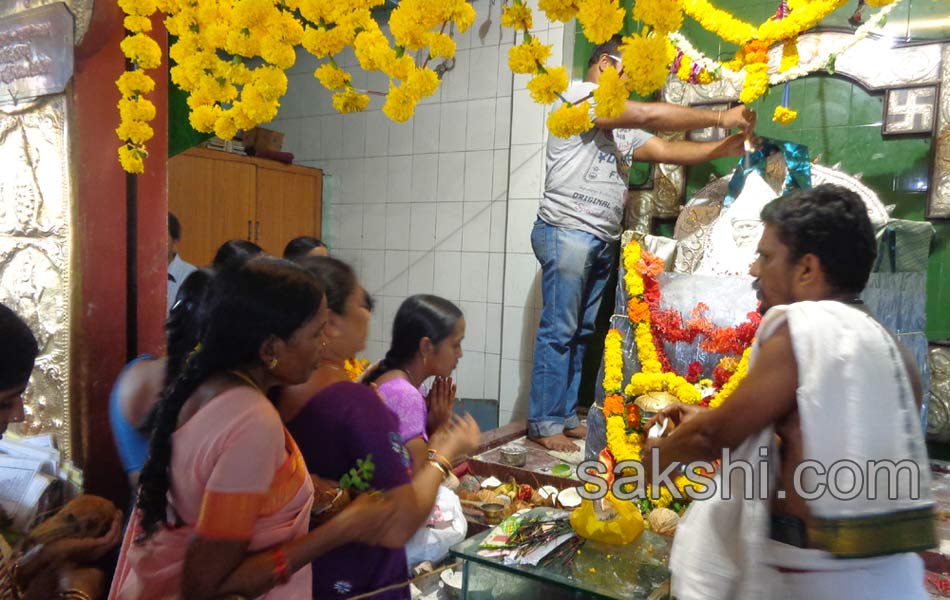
x: 841, y: 122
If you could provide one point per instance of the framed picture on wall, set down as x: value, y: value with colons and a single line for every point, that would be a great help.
x: 709, y: 134
x: 909, y: 110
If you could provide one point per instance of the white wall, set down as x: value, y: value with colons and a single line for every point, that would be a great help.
x: 441, y: 204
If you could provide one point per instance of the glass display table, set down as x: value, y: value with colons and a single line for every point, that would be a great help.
x: 637, y: 571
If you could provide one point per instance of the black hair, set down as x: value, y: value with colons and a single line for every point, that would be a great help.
x: 18, y: 351
x: 235, y: 251
x: 418, y: 317
x: 610, y: 47
x: 245, y: 304
x: 300, y: 247
x: 337, y: 278
x: 174, y: 227
x: 832, y: 223
x: 181, y: 331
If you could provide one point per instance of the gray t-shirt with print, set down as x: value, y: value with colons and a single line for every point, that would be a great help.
x: 583, y: 189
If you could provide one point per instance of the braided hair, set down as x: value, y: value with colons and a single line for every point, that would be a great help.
x: 245, y: 305
x: 181, y: 332
x: 418, y: 317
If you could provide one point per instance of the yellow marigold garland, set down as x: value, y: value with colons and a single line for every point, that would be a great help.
x: 226, y: 95
x: 733, y: 382
x: 610, y: 95
x: 613, y: 362
x: 135, y: 112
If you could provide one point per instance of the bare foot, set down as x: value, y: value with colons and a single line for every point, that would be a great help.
x: 579, y: 432
x: 557, y: 442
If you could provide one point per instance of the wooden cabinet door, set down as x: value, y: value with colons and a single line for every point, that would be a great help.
x: 214, y: 201
x: 288, y: 206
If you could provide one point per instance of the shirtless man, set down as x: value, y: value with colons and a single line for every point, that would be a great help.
x: 815, y: 256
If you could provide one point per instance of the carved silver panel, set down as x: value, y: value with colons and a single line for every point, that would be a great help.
x: 938, y: 202
x: 36, y: 53
x: 35, y: 251
x: 80, y: 9
x: 938, y: 412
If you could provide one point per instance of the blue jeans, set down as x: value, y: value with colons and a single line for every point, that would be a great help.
x: 575, y: 266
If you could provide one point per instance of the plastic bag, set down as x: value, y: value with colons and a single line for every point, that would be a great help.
x: 610, y: 521
x: 445, y: 528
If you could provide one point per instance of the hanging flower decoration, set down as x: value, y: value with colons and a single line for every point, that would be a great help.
x: 135, y: 111
x: 657, y: 51
x: 231, y: 56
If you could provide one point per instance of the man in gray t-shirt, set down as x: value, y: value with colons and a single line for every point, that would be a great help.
x: 579, y: 224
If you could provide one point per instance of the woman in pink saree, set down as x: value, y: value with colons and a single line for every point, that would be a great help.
x: 224, y: 499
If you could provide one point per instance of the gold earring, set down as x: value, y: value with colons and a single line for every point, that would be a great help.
x: 272, y: 364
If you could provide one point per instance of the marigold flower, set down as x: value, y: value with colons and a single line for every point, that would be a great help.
x: 517, y: 16
x: 131, y: 159
x: 137, y: 24
x: 559, y: 10
x: 610, y: 95
x: 349, y: 100
x: 756, y: 82
x: 422, y: 83
x: 331, y: 76
x: 546, y: 87
x: 142, y: 50
x: 136, y: 109
x: 662, y: 15
x: 440, y: 45
x: 601, y: 19
x: 570, y: 120
x: 789, y: 55
x: 645, y: 60
x: 137, y: 132
x: 203, y: 118
x: 400, y: 104
x: 137, y: 7
x: 134, y: 83
x: 527, y: 56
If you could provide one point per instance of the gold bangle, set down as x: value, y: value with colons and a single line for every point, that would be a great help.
x: 445, y: 474
x: 432, y: 455
x: 74, y: 594
x: 718, y: 118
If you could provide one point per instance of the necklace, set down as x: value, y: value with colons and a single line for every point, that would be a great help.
x: 246, y: 379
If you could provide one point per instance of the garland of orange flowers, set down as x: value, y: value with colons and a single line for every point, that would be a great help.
x: 624, y: 442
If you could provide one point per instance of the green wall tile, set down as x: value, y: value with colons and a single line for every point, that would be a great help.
x: 829, y: 102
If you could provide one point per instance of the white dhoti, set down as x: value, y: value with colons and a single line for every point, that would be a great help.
x: 855, y: 405
x: 820, y: 576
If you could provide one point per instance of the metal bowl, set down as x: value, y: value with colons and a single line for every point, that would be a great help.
x: 493, y: 512
x: 515, y: 456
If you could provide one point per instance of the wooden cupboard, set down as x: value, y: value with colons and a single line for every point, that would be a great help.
x: 218, y: 196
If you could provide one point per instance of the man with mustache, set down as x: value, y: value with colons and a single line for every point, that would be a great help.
x: 837, y: 393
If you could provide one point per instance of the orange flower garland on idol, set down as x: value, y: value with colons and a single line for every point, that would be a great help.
x: 651, y: 327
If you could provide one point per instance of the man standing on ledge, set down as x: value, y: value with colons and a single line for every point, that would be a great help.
x: 579, y: 224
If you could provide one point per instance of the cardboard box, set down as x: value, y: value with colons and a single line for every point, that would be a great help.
x: 263, y: 139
